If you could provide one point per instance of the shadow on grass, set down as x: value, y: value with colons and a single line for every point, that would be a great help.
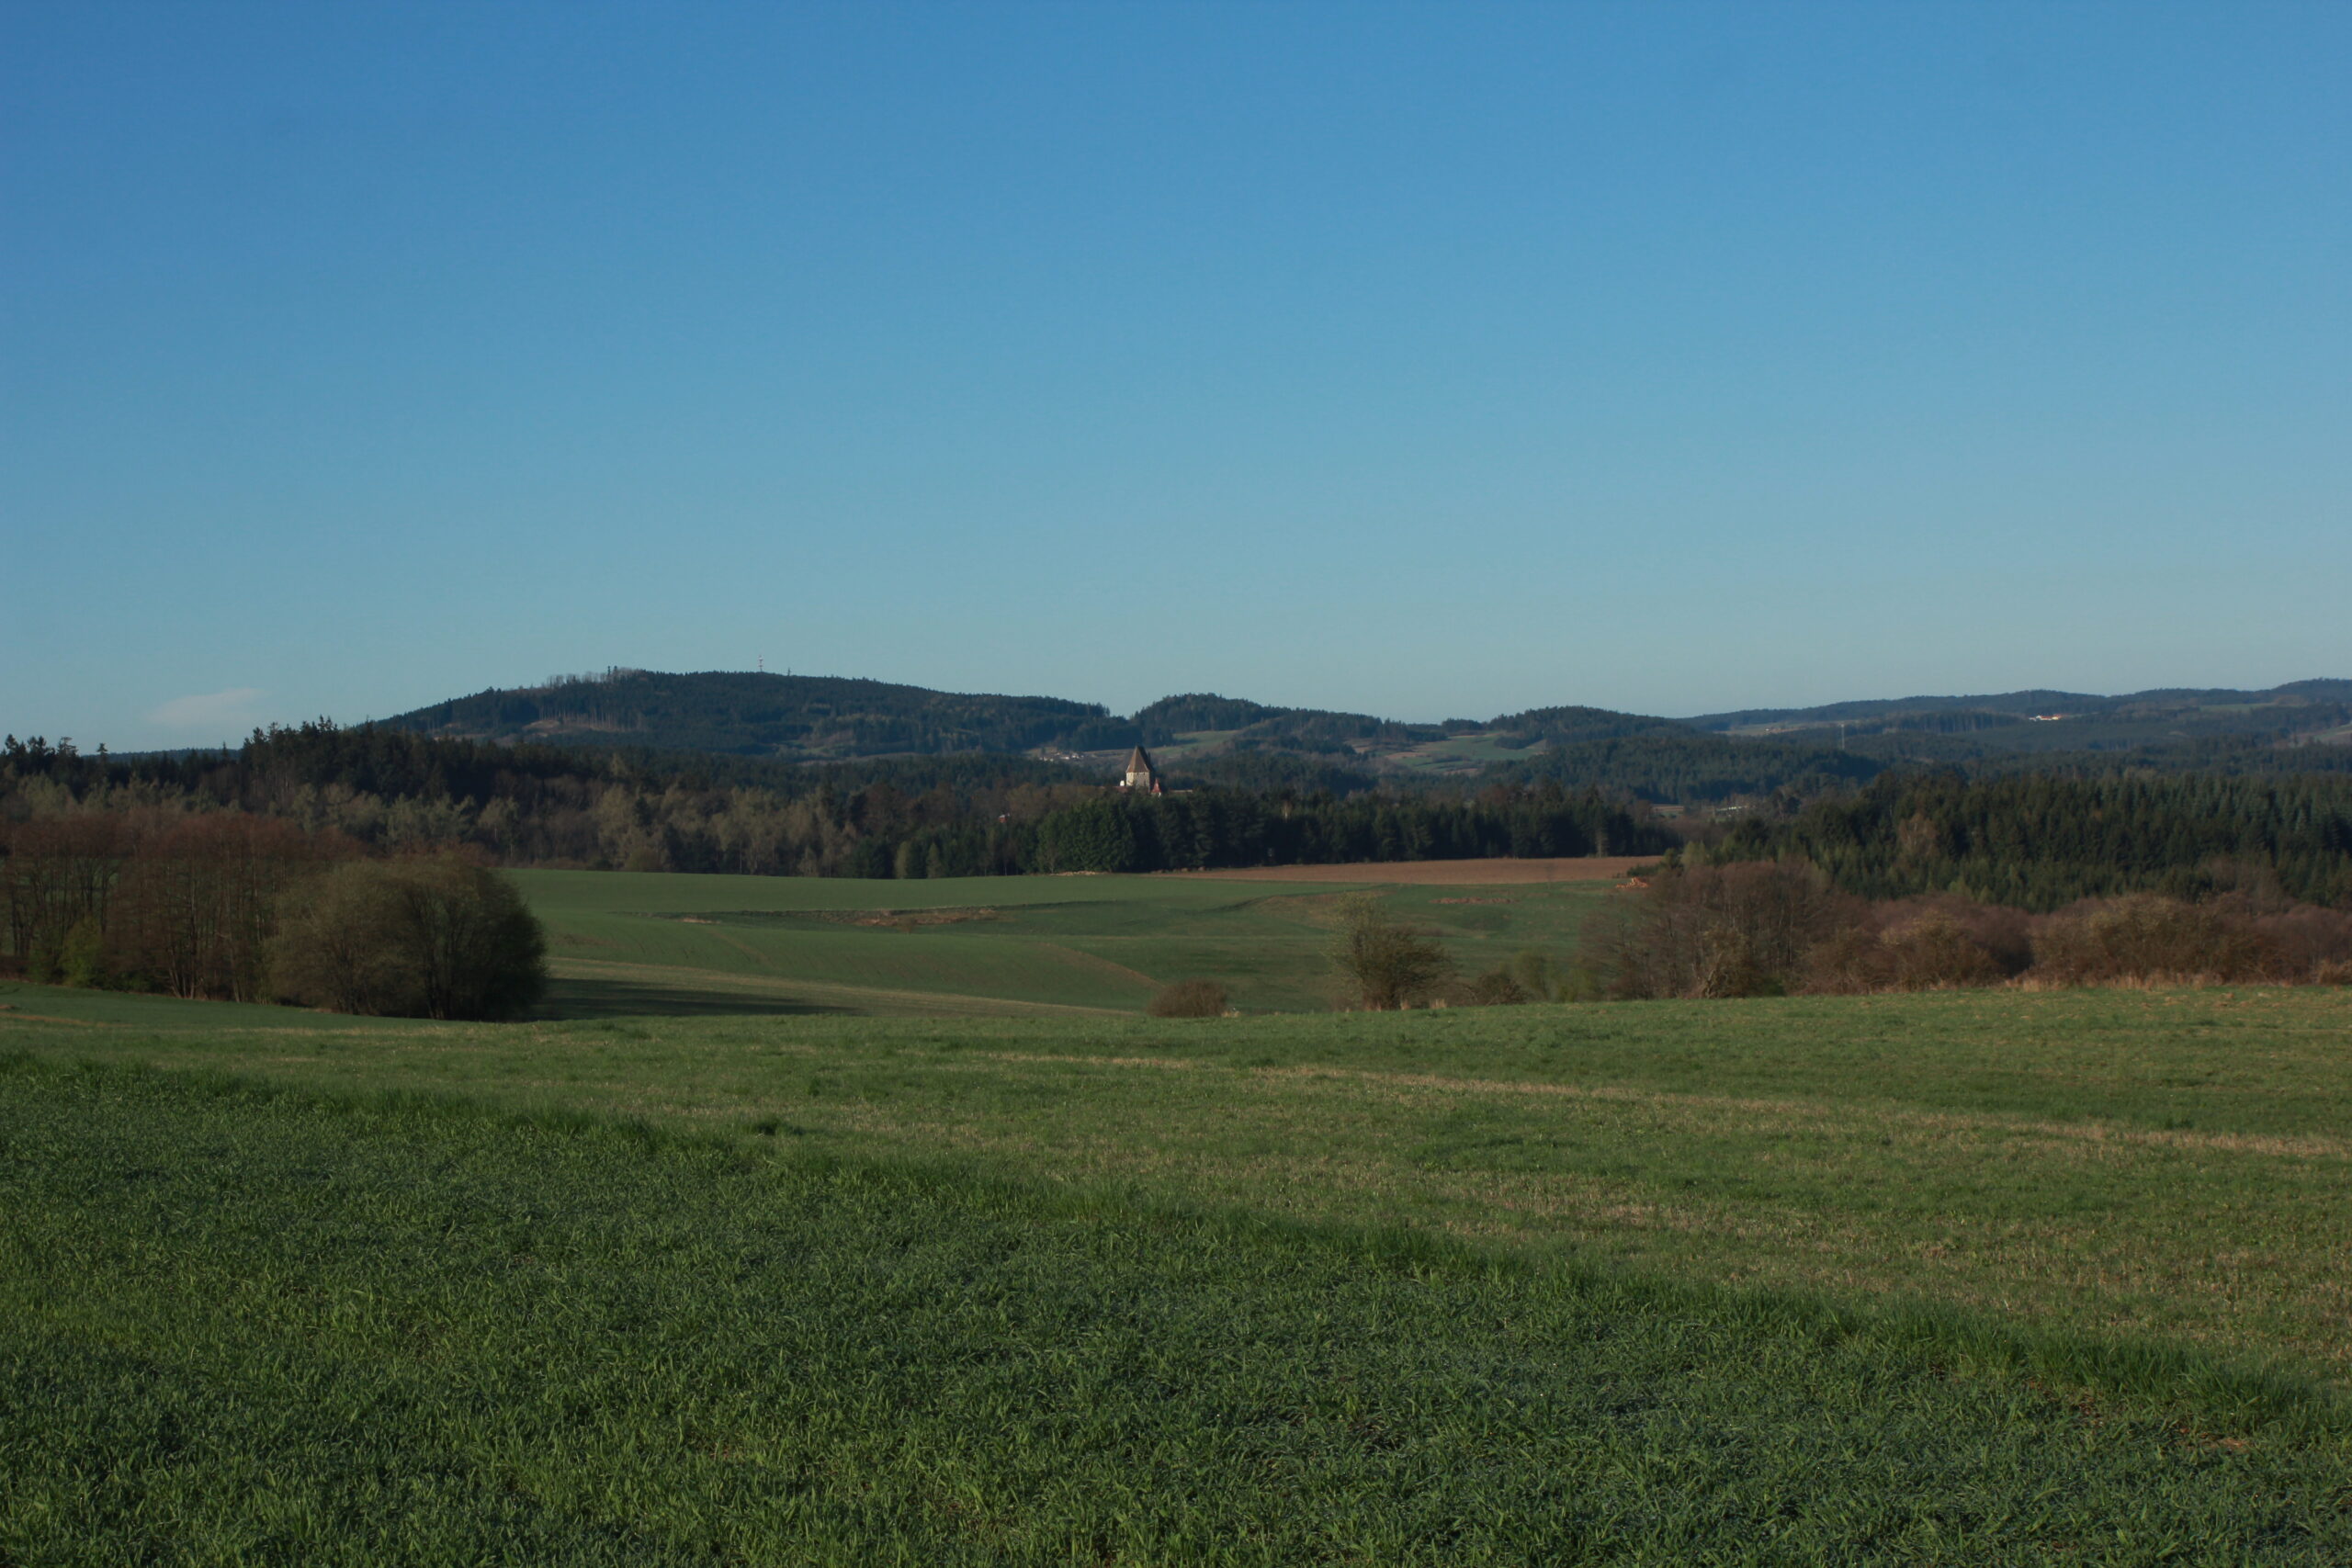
x: 631, y: 998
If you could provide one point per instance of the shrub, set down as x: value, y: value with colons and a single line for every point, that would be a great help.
x: 1532, y: 973
x: 1847, y: 962
x: 81, y: 957
x: 1387, y: 964
x: 1497, y: 987
x: 1931, y: 944
x: 2310, y: 940
x: 438, y: 938
x: 1934, y: 953
x: 1189, y: 999
x: 2146, y: 937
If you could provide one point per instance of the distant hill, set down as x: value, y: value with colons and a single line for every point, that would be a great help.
x: 1203, y: 737
x: 809, y: 718
x: 2040, y: 721
x: 737, y: 714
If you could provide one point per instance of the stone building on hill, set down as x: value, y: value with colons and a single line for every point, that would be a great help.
x: 1141, y: 774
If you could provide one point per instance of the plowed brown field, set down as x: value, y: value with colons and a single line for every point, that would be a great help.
x: 1437, y: 872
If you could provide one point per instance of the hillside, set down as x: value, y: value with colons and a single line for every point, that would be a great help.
x: 734, y: 712
x: 1206, y: 739
x: 829, y: 718
x: 2058, y: 721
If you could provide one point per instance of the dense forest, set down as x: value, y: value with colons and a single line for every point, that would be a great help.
x: 952, y: 816
x: 2040, y: 842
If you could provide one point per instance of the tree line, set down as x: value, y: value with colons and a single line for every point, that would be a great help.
x: 1776, y: 928
x: 2040, y: 842
x: 395, y: 791
x: 232, y: 907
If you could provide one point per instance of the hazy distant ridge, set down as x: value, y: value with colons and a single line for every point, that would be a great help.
x: 2034, y: 703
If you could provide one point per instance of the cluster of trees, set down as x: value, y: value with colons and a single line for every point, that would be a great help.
x: 234, y: 906
x: 182, y: 904
x: 397, y: 792
x: 2038, y: 842
x: 1774, y: 928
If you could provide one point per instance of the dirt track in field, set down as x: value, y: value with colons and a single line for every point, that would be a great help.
x: 1436, y: 872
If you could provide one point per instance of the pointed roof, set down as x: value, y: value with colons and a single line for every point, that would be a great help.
x: 1139, y: 761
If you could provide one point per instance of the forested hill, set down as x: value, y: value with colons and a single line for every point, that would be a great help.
x: 740, y: 714
x: 810, y: 717
x: 2061, y: 721
x: 1208, y: 738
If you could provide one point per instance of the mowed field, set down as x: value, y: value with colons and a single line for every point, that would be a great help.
x: 1974, y: 1277
x: 623, y: 942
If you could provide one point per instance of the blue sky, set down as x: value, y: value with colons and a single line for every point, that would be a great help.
x: 1430, y: 360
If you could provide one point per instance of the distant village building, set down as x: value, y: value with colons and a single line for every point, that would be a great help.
x: 1141, y: 774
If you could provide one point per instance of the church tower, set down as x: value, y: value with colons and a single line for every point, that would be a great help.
x: 1141, y: 774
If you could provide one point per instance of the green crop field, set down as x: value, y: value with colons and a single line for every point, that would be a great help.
x: 247, y: 1327
x: 709, y: 1266
x: 634, y: 943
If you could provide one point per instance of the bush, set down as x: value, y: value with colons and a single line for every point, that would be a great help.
x: 1386, y: 965
x: 439, y: 938
x: 2145, y: 937
x: 1532, y: 973
x: 1498, y: 987
x: 81, y: 958
x: 1189, y: 999
x: 1937, y: 943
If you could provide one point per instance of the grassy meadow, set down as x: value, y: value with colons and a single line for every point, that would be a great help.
x: 774, y: 1246
x: 958, y: 946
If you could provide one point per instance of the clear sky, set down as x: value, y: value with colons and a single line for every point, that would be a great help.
x: 1426, y: 360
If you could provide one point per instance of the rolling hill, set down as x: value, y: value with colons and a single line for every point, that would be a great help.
x: 742, y: 714
x: 1203, y: 738
x: 2062, y: 721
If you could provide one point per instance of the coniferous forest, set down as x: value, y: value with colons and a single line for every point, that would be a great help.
x: 2041, y: 841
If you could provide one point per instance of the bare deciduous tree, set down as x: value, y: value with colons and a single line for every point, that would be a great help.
x: 1387, y: 964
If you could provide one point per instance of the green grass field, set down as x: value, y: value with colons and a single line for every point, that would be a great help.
x: 983, y: 945
x: 257, y: 1328
x: 719, y: 1269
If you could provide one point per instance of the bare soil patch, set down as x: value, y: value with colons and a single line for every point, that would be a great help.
x: 1437, y: 872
